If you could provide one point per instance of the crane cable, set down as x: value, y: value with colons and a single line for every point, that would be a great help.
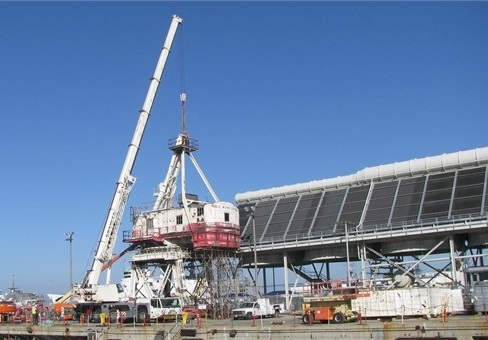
x: 182, y: 62
x: 183, y: 109
x: 182, y: 84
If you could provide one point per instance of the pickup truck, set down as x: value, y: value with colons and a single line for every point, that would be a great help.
x: 261, y: 308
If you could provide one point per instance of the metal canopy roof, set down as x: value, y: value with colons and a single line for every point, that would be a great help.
x: 416, y: 193
x: 414, y: 167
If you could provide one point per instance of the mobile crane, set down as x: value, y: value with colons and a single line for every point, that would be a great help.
x: 89, y: 289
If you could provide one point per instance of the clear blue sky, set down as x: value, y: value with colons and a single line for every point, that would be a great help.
x: 278, y: 93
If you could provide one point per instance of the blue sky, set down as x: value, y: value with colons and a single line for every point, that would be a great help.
x: 278, y: 93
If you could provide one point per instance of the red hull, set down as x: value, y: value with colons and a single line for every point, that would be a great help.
x: 215, y: 237
x: 197, y: 235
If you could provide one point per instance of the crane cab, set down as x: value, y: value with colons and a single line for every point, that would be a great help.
x: 206, y: 225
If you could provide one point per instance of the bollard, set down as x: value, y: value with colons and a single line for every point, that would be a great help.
x: 184, y: 318
x: 254, y: 320
x: 199, y: 322
x: 103, y: 317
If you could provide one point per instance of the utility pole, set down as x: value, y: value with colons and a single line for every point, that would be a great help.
x: 256, y: 290
x: 69, y: 237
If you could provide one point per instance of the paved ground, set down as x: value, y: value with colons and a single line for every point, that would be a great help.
x: 286, y: 326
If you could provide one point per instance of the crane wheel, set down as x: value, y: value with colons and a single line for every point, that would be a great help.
x: 306, y: 318
x: 355, y: 316
x: 112, y: 316
x: 338, y: 318
x: 95, y: 317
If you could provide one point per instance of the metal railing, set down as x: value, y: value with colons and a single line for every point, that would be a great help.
x: 361, y: 232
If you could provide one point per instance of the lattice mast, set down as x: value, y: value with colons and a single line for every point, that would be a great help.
x: 181, y: 146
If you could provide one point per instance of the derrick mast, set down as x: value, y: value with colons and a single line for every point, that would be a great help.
x: 193, y: 224
x: 192, y: 242
x: 180, y: 146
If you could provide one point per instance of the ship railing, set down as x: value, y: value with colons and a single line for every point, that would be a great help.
x: 146, y: 233
x: 185, y: 142
x: 167, y: 250
x: 336, y: 287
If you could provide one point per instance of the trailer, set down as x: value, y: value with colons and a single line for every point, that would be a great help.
x: 411, y: 301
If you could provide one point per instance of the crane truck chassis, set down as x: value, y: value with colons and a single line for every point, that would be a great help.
x: 119, y: 312
x: 139, y: 311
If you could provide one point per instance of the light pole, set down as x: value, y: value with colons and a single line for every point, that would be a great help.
x: 347, y: 257
x: 252, y: 210
x: 69, y: 237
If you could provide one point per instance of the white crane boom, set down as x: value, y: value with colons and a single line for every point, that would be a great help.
x: 126, y: 181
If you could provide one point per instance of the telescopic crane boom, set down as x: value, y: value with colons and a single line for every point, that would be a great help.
x: 126, y: 181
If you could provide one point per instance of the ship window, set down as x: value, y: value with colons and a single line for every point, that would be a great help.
x: 179, y: 219
x: 226, y: 217
x: 200, y: 211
